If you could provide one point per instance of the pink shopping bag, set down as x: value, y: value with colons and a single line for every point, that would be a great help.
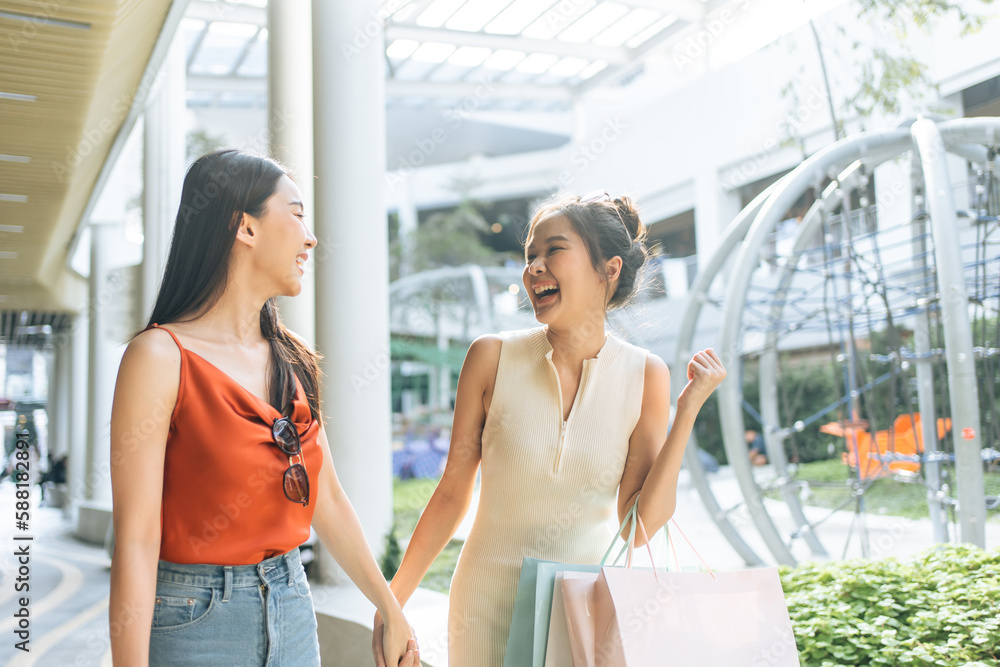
x: 578, y: 605
x: 644, y: 618
x: 641, y: 618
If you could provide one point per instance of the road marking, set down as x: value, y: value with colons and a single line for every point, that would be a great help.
x: 53, y: 637
x: 69, y: 583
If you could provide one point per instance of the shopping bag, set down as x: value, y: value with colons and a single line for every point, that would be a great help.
x: 646, y: 617
x: 578, y: 605
x: 529, y: 627
x: 563, y: 649
x: 520, y: 641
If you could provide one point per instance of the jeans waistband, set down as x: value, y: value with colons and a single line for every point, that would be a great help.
x: 284, y: 566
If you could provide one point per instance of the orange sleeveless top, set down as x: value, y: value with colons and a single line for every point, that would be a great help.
x: 223, y: 499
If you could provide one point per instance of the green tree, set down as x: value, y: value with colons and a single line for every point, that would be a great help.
x: 886, y: 76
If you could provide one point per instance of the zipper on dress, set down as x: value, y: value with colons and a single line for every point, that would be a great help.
x: 559, y: 447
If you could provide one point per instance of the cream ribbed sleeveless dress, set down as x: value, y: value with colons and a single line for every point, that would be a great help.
x: 548, y: 488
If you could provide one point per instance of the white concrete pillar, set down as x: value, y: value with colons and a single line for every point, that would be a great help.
x: 78, y: 406
x: 290, y: 124
x: 352, y: 295
x: 102, y: 363
x: 164, y: 160
x: 58, y: 406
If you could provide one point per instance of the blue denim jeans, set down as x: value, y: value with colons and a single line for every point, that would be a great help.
x: 244, y: 615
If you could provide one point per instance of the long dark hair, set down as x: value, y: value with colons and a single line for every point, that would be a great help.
x: 218, y: 189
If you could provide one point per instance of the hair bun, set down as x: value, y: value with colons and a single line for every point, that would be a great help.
x: 630, y: 216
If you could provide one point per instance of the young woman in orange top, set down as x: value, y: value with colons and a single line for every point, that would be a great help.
x: 219, y: 460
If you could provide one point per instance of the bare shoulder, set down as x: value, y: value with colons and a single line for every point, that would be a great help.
x: 656, y: 368
x: 481, y: 361
x: 656, y: 379
x: 484, y: 353
x: 486, y: 347
x: 151, y: 366
x: 153, y: 347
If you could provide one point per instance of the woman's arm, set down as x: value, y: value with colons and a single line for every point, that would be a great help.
x: 340, y: 531
x: 145, y: 395
x: 453, y: 494
x: 653, y: 465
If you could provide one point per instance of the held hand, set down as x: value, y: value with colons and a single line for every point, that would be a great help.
x: 705, y: 372
x: 399, y: 646
x: 412, y: 658
x: 377, y: 650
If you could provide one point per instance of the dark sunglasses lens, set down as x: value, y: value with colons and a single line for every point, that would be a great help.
x: 297, y: 484
x: 286, y: 437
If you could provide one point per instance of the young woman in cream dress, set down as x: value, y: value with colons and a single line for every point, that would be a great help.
x: 568, y: 422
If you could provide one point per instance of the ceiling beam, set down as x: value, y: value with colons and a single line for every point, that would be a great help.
x: 611, y: 74
x: 464, y: 89
x: 226, y: 84
x: 476, y: 90
x: 615, y: 56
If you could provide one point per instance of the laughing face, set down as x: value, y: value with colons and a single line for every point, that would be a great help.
x: 558, y: 273
x: 284, y: 238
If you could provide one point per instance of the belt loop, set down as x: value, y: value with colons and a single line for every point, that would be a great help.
x: 227, y: 587
x: 290, y: 564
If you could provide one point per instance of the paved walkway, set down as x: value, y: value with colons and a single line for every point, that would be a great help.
x: 69, y: 592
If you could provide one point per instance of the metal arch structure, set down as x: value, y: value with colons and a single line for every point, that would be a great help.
x: 750, y: 231
x: 957, y: 331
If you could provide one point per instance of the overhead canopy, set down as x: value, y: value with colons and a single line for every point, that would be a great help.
x: 69, y: 74
x: 73, y: 77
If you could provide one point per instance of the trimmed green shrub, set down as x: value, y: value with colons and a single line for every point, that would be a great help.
x: 941, y: 607
x: 393, y: 555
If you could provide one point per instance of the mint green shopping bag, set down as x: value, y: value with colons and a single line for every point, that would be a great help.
x: 529, y: 625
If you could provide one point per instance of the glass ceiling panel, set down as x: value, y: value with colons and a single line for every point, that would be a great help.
x: 517, y: 16
x: 474, y: 15
x: 221, y: 47
x: 634, y: 22
x: 649, y: 32
x: 255, y: 63
x: 438, y: 12
x: 593, y: 22
x: 581, y: 28
x: 192, y: 29
x: 551, y: 23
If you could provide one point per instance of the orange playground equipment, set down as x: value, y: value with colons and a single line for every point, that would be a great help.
x: 897, y: 449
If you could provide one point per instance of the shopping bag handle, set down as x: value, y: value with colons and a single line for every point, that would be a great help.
x: 632, y: 516
x: 666, y: 531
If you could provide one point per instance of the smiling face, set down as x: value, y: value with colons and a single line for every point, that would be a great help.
x: 559, y: 275
x: 281, y: 238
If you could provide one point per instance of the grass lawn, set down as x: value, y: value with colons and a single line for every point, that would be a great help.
x: 409, y: 499
x: 830, y: 486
